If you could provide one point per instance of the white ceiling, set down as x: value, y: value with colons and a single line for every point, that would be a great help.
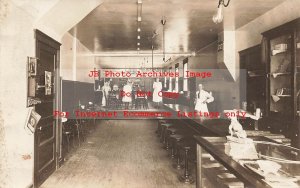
x: 110, y: 30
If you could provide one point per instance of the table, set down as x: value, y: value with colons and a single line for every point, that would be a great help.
x: 221, y: 150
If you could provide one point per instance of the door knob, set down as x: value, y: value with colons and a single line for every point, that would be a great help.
x: 39, y: 86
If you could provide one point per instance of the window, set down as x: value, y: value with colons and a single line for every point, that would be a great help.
x: 165, y: 81
x: 170, y: 80
x: 185, y: 79
x: 176, y: 78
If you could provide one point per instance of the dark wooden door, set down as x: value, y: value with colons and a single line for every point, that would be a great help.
x: 45, y: 155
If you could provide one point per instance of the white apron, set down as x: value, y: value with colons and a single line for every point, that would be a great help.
x: 127, y: 89
x: 202, y: 99
x: 157, y: 86
x: 105, y: 90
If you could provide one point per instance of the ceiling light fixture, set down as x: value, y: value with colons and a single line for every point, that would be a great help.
x: 218, y: 17
x: 139, y: 21
x: 163, y: 22
x: 152, y: 46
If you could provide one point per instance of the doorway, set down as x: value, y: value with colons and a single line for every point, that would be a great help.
x: 46, y: 147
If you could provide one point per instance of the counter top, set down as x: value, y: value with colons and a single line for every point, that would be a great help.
x: 230, y: 156
x: 217, y: 126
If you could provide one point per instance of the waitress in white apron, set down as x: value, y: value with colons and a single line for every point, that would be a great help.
x: 157, y: 96
x: 105, y: 89
x: 127, y: 89
x: 202, y: 98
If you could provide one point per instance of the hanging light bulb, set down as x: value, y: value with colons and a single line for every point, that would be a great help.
x: 218, y: 17
x: 163, y: 22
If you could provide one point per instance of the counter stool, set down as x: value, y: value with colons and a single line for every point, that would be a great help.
x: 170, y: 131
x: 158, y: 130
x: 163, y: 132
x: 174, y: 138
x: 186, y: 177
x: 67, y: 133
x: 177, y: 139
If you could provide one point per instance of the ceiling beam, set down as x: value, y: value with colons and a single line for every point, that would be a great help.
x: 135, y: 54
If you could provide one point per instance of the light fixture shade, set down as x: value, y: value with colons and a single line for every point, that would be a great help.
x: 218, y: 17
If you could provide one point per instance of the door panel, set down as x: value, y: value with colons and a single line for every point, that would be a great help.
x: 45, y: 134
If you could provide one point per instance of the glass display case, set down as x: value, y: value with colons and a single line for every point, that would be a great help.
x: 223, y: 163
x: 280, y: 79
x: 281, y: 49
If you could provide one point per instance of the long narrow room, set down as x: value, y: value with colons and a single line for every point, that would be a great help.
x: 143, y: 93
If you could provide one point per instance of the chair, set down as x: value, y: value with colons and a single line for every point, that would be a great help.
x: 78, y: 127
x: 67, y: 134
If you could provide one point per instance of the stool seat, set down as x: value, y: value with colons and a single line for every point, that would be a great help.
x: 173, y: 130
x: 187, y: 147
x: 176, y: 136
x: 166, y: 124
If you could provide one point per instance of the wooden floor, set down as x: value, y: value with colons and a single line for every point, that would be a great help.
x: 120, y: 153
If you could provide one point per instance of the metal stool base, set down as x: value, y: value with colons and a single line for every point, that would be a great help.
x: 186, y: 179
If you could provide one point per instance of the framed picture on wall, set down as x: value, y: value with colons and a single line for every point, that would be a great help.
x: 32, y: 119
x: 31, y: 73
x: 32, y: 66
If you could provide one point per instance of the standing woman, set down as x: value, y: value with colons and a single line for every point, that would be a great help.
x: 105, y: 90
x: 127, y: 89
x: 157, y: 97
x: 202, y: 98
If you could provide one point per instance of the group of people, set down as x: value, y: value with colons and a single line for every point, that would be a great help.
x: 202, y: 97
x: 128, y: 93
x: 107, y: 92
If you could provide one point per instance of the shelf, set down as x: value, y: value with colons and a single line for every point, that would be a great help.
x: 276, y: 98
x: 276, y: 52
